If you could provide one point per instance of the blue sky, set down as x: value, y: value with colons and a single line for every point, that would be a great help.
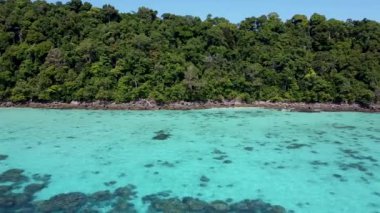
x: 237, y: 10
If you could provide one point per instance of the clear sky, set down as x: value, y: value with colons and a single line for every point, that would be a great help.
x: 237, y: 10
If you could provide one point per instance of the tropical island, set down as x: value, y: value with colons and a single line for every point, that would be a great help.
x: 75, y: 53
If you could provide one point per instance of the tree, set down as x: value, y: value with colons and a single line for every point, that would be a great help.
x: 73, y: 51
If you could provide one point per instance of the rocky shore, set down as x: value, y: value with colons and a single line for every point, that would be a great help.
x: 182, y: 105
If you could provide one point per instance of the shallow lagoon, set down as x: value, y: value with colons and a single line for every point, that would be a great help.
x: 305, y: 162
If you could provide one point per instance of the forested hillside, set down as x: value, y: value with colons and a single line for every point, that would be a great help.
x: 74, y: 51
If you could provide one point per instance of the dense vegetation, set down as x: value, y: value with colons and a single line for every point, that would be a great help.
x: 73, y: 51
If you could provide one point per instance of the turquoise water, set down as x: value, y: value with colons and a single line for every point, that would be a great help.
x: 305, y: 162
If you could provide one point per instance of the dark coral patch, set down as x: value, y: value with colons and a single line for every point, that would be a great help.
x: 319, y: 163
x: 204, y: 179
x: 338, y: 126
x: 296, y: 146
x: 13, y: 175
x: 161, y: 135
x: 110, y: 183
x: 33, y: 188
x: 227, y: 161
x: 189, y: 204
x: 148, y: 165
x: 3, y: 157
x: 69, y: 202
x: 248, y: 148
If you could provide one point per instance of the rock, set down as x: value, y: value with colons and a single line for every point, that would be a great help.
x: 150, y: 165
x: 296, y: 146
x: 219, y: 206
x: 6, y: 202
x: 248, y: 148
x: 110, y: 183
x: 125, y: 192
x: 22, y: 199
x: 28, y: 209
x: 75, y: 103
x: 161, y: 135
x: 251, y: 206
x: 172, y: 205
x: 33, y: 188
x: 123, y: 206
x: 5, y: 190
x: 87, y: 210
x: 227, y: 161
x: 277, y: 209
x: 218, y: 152
x: 194, y: 204
x: 69, y: 202
x: 203, y: 185
x: 204, y: 179
x: 242, y: 206
x: 42, y: 178
x: 150, y: 198
x: 13, y: 175
x: 101, y: 196
x: 164, y: 193
x: 3, y: 157
x: 14, y: 200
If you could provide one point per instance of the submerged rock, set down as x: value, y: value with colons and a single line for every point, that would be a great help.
x: 33, y: 188
x: 219, y: 206
x: 248, y: 148
x: 150, y: 165
x: 256, y: 206
x: 204, y: 179
x: 319, y: 163
x: 14, y: 201
x: 190, y: 204
x: 296, y: 146
x: 161, y: 135
x: 338, y: 126
x: 101, y: 196
x: 195, y: 204
x: 13, y: 175
x: 227, y: 161
x: 218, y: 152
x: 126, y: 192
x: 110, y: 183
x: 3, y: 157
x: 5, y: 189
x: 172, y: 205
x: 123, y: 206
x: 6, y: 202
x: 42, y: 178
x: 70, y: 202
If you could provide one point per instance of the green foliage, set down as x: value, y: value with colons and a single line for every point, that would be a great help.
x: 73, y: 51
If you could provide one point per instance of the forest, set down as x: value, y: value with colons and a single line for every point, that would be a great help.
x: 77, y: 52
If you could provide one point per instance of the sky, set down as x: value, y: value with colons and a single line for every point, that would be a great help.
x: 238, y: 10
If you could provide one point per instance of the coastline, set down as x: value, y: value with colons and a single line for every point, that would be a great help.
x: 182, y: 105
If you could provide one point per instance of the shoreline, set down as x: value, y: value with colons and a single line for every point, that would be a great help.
x: 182, y: 105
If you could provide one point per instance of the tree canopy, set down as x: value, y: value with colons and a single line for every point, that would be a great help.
x: 74, y: 51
